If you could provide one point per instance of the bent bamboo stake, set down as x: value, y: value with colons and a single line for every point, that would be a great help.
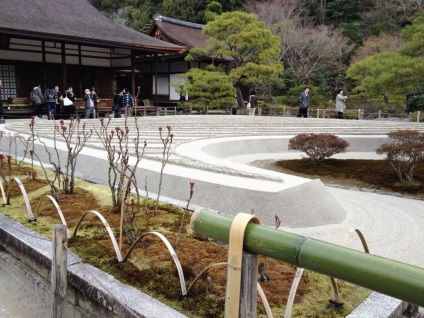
x: 3, y: 194
x: 59, y: 211
x: 235, y: 254
x: 108, y: 229
x: 265, y: 302
x: 334, y: 289
x: 25, y: 195
x: 171, y: 251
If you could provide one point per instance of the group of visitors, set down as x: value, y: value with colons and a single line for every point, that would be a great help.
x: 252, y: 104
x: 304, y: 104
x: 123, y: 102
x: 53, y: 98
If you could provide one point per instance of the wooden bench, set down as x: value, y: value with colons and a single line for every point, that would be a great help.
x: 18, y: 107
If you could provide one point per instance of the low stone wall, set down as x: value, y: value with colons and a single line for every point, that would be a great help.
x: 382, y: 306
x: 91, y: 292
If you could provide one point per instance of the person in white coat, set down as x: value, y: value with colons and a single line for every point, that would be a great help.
x: 340, y: 104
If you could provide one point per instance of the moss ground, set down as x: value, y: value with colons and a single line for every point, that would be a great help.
x: 150, y: 267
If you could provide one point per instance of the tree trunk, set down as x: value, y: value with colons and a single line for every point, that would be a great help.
x: 386, y: 101
x: 240, y: 101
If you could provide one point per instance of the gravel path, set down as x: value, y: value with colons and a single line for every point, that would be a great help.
x: 392, y: 225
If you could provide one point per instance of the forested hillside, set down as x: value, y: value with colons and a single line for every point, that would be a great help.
x: 320, y: 39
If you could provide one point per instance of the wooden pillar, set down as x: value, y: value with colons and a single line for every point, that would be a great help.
x: 43, y: 52
x: 248, y: 288
x: 59, y: 271
x: 64, y: 70
x: 81, y: 90
x: 156, y: 79
x: 133, y: 75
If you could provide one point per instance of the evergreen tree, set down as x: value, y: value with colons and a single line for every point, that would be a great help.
x: 251, y: 49
x: 393, y: 73
x: 210, y: 89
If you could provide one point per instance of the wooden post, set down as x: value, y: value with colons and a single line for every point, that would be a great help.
x: 317, y: 112
x: 359, y: 114
x: 59, y: 271
x: 379, y: 114
x: 418, y: 116
x: 248, y: 288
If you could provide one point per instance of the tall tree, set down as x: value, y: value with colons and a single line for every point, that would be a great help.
x: 378, y: 44
x: 413, y: 36
x: 141, y: 13
x: 244, y: 42
x: 391, y: 73
x: 186, y: 10
x: 311, y: 54
x: 390, y: 15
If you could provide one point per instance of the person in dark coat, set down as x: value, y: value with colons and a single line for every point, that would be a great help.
x: 50, y: 96
x: 117, y: 104
x: 127, y: 102
x: 37, y: 98
x: 89, y: 105
x: 304, y: 103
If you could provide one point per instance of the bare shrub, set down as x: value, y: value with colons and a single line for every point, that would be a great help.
x: 318, y: 147
x: 405, y: 153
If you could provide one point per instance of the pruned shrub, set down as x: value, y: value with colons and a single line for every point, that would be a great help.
x: 405, y: 153
x: 318, y: 147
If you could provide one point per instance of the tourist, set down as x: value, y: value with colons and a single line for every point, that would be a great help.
x: 96, y: 101
x: 89, y: 105
x: 304, y: 103
x: 253, y: 104
x: 340, y: 104
x: 50, y: 96
x: 37, y: 98
x: 58, y: 99
x: 69, y: 109
x: 117, y: 103
x: 127, y: 102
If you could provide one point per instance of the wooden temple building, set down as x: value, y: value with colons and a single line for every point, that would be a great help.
x: 56, y: 42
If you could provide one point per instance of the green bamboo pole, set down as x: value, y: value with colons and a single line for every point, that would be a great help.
x: 386, y: 276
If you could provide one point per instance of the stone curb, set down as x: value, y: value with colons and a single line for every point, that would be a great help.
x: 86, y: 284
